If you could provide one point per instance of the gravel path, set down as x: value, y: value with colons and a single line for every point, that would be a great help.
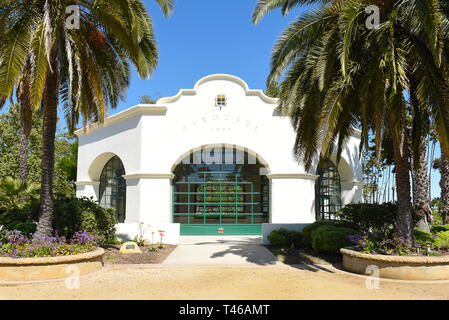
x: 225, y: 282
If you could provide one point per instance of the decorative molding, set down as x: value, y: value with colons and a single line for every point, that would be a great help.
x: 212, y: 77
x: 149, y: 176
x: 305, y: 176
x: 87, y: 183
x: 140, y: 109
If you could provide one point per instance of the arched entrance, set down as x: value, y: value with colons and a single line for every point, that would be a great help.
x: 220, y: 189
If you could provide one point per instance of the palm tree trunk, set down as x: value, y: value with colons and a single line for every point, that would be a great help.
x: 404, y: 219
x: 421, y: 198
x: 421, y: 187
x: 50, y: 107
x: 23, y: 154
x: 444, y: 185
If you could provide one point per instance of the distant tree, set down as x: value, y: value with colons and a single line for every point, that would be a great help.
x: 273, y: 89
x: 147, y: 100
x: 442, y: 164
x: 68, y: 163
x: 10, y: 142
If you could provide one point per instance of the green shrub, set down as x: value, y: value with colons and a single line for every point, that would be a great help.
x: 308, y: 230
x: 322, y: 229
x: 423, y: 237
x: 70, y: 214
x: 371, y: 218
x: 440, y: 228
x: 285, y: 238
x: 441, y: 240
x: 26, y: 212
x: 295, y: 238
x: 327, y: 239
x: 74, y: 214
x: 24, y: 227
x: 278, y: 238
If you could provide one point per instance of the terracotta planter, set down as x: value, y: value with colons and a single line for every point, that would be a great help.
x: 397, y: 267
x: 24, y: 269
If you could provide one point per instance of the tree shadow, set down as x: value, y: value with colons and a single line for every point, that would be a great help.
x: 248, y: 248
x: 305, y: 259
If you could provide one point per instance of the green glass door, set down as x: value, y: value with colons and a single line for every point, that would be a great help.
x: 220, y: 199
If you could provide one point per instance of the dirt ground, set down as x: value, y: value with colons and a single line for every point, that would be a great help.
x: 304, y: 256
x: 225, y: 282
x: 113, y: 256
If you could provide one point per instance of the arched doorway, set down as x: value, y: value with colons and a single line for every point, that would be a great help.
x: 327, y: 191
x: 113, y: 188
x: 220, y: 190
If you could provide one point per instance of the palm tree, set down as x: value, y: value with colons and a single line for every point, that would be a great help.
x: 340, y: 75
x: 419, y: 160
x: 86, y: 68
x: 444, y: 185
x: 23, y: 94
x: 442, y: 164
x: 12, y: 192
x: 24, y: 103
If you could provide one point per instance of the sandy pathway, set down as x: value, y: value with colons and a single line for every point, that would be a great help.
x: 226, y: 282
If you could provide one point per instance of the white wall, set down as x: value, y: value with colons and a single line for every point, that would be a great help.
x: 128, y: 231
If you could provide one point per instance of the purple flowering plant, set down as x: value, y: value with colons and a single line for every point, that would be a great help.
x: 17, y: 245
x: 393, y: 246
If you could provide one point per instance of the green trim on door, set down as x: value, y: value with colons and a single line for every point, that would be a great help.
x: 213, y: 229
x: 231, y: 194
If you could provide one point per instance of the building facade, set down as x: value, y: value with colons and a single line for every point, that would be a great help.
x: 213, y: 160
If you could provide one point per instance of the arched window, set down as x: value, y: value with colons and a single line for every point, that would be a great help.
x: 327, y: 191
x: 233, y: 190
x: 113, y: 188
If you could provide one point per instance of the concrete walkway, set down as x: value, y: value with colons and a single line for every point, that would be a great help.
x: 221, y: 250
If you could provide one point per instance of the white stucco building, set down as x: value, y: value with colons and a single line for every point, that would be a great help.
x: 215, y: 159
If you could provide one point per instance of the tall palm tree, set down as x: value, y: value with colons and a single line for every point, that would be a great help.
x: 338, y: 74
x: 86, y: 67
x: 24, y: 103
x: 444, y: 185
x: 419, y: 160
x: 23, y: 94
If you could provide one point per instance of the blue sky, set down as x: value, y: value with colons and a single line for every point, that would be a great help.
x: 203, y: 37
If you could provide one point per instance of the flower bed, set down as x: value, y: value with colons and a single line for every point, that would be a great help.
x: 28, y: 257
x: 397, y: 267
x: 14, y: 244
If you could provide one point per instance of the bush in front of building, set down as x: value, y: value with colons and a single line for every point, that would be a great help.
x: 307, y: 231
x: 331, y: 238
x: 23, y: 227
x: 371, y: 218
x: 285, y: 238
x: 19, y: 211
x: 72, y: 214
